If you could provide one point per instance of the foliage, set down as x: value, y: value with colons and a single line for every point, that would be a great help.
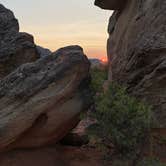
x: 121, y: 120
x: 162, y: 140
x: 150, y: 162
x: 97, y: 79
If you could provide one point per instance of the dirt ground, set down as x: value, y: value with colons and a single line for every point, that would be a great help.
x: 52, y: 156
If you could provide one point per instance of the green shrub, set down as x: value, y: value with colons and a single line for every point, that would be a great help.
x: 122, y: 120
x: 150, y: 162
x: 97, y: 79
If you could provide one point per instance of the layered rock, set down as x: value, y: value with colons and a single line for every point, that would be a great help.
x: 137, y: 50
x: 15, y: 48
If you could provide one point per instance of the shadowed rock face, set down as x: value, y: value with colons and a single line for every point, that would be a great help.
x: 8, y: 23
x: 137, y: 51
x: 15, y: 48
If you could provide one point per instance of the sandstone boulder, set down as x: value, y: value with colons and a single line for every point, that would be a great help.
x: 137, y: 51
x: 40, y: 102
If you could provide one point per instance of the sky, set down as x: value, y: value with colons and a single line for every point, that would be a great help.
x: 58, y: 23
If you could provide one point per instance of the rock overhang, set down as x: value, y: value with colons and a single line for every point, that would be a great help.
x: 111, y: 4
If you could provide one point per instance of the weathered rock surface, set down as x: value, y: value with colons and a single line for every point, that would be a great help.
x: 137, y: 50
x: 8, y: 23
x: 40, y: 102
x: 15, y: 48
x: 111, y: 4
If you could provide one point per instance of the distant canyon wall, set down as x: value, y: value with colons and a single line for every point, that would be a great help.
x: 137, y: 49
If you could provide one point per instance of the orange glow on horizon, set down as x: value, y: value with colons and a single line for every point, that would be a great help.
x: 94, y: 45
x: 94, y: 51
x: 104, y: 60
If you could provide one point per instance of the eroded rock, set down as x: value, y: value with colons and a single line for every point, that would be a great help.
x: 15, y: 48
x: 8, y: 23
x: 40, y: 102
x: 137, y: 51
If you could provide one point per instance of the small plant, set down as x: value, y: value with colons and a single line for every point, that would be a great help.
x: 162, y: 140
x: 98, y: 78
x: 121, y: 120
x: 150, y: 162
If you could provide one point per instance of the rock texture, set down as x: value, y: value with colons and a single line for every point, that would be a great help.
x: 40, y: 102
x: 137, y: 50
x: 15, y: 48
x: 40, y: 98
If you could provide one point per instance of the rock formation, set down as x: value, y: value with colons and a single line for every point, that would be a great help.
x: 137, y: 49
x: 15, y: 48
x: 111, y: 4
x: 40, y: 98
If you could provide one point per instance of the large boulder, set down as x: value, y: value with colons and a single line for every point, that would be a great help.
x: 137, y: 51
x: 15, y: 48
x: 40, y: 102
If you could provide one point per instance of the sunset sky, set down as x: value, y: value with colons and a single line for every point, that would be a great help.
x: 58, y: 23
